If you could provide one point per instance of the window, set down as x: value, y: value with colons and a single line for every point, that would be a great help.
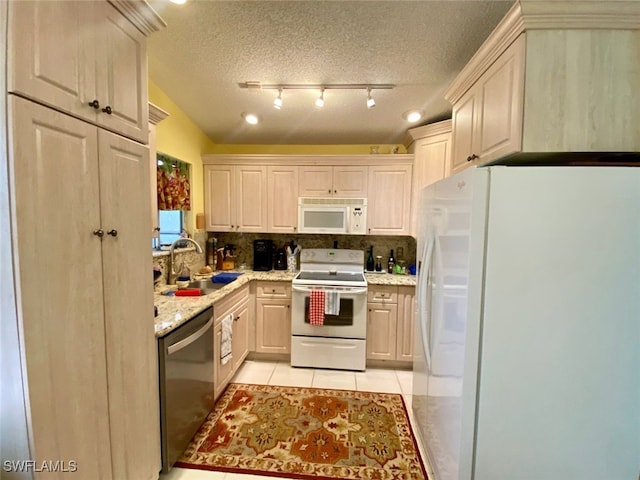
x: 171, y: 225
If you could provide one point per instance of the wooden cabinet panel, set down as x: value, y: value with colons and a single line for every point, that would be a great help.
x: 406, y: 323
x: 500, y: 91
x: 350, y: 181
x: 62, y: 321
x: 236, y: 305
x: 389, y: 203
x: 133, y: 398
x: 222, y: 373
x: 487, y: 120
x: 338, y: 181
x: 464, y: 121
x: 58, y: 72
x: 282, y: 199
x: 219, y: 190
x: 382, y: 293
x: 273, y: 325
x: 121, y: 66
x: 68, y: 69
x: 240, y: 339
x: 251, y: 198
x: 432, y: 162
x: 316, y: 181
x: 381, y: 331
x: 235, y: 198
x: 279, y: 290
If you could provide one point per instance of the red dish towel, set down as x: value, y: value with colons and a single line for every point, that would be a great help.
x: 316, y: 307
x: 188, y: 292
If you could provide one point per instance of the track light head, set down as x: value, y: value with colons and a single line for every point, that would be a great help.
x: 370, y: 101
x: 277, y: 103
x: 320, y: 99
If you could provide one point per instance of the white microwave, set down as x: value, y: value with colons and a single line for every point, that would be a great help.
x: 332, y: 215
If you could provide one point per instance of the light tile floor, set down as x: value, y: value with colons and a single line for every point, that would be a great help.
x: 281, y: 373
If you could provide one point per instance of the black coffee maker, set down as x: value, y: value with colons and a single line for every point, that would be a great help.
x: 280, y: 262
x: 262, y: 255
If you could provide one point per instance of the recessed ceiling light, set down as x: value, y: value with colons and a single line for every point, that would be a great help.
x: 412, y: 116
x: 178, y: 2
x: 251, y: 118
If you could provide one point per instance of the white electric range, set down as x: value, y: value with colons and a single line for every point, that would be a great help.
x: 340, y: 341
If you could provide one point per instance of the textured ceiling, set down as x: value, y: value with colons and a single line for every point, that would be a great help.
x: 209, y: 47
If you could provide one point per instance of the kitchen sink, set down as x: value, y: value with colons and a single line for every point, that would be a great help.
x: 207, y: 286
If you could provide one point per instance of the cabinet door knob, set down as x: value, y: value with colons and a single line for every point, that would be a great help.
x: 472, y: 157
x: 236, y: 319
x: 288, y: 306
x: 157, y: 229
x: 95, y: 104
x: 335, y: 191
x: 329, y: 191
x: 99, y: 233
x: 107, y: 110
x: 113, y: 232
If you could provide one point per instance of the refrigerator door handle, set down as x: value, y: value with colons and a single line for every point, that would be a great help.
x: 424, y: 306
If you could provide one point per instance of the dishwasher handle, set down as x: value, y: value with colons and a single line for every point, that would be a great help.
x: 176, y: 347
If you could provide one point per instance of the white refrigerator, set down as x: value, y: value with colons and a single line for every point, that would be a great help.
x: 527, y: 358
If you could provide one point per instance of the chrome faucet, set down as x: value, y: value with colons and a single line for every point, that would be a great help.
x: 173, y: 272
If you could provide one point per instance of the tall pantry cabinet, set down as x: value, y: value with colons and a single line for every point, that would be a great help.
x: 84, y: 352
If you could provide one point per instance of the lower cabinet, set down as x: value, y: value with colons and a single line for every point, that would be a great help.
x: 406, y: 323
x: 390, y: 323
x: 236, y: 305
x: 273, y: 317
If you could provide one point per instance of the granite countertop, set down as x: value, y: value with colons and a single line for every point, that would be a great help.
x: 390, y: 279
x: 174, y: 311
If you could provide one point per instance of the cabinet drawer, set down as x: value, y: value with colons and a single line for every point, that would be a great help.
x: 383, y: 293
x: 273, y: 290
x: 231, y: 302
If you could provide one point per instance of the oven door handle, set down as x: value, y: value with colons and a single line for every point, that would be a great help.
x: 349, y: 291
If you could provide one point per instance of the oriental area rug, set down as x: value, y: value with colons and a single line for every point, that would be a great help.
x: 306, y: 433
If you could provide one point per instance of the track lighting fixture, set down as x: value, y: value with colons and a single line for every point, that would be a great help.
x: 320, y: 99
x: 370, y: 101
x: 277, y: 103
x: 319, y: 102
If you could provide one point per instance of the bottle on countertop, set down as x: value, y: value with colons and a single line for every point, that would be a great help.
x: 392, y: 262
x: 370, y: 263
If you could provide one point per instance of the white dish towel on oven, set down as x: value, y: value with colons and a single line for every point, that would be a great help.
x: 225, y: 339
x: 332, y: 302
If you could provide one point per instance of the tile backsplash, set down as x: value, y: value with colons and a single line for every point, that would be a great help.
x: 381, y: 244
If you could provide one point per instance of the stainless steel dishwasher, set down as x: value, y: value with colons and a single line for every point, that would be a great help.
x: 186, y: 384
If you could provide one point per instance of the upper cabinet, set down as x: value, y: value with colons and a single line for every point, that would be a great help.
x: 333, y: 180
x: 95, y: 70
x: 282, y: 199
x: 431, y: 147
x: 389, y: 204
x: 554, y: 77
x: 259, y: 193
x: 235, y: 198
